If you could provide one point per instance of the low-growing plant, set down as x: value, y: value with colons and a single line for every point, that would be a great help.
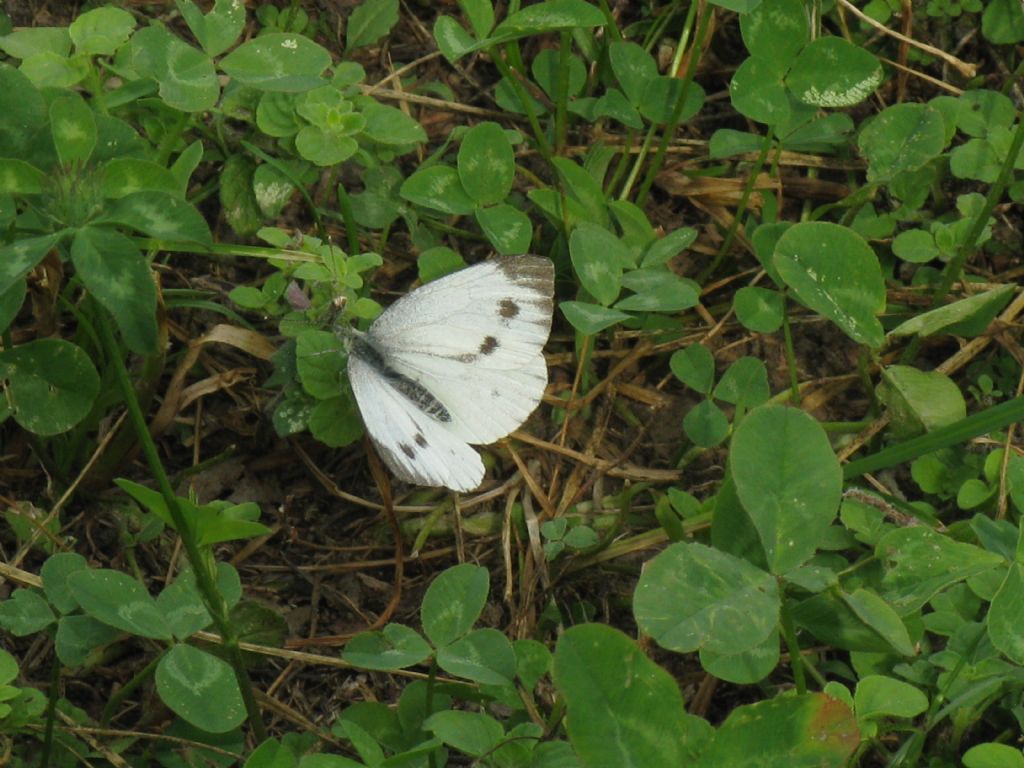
x: 782, y: 457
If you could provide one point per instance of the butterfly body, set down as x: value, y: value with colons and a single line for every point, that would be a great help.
x: 455, y: 363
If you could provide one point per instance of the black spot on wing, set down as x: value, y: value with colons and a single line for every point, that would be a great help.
x: 488, y: 345
x: 508, y: 308
x: 418, y: 394
x: 407, y: 450
x: 421, y: 441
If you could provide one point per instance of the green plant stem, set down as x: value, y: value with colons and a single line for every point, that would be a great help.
x: 741, y: 208
x: 796, y: 658
x: 51, y: 712
x: 212, y: 597
x: 794, y: 381
x: 666, y: 137
x: 126, y: 690
x: 524, y: 99
x: 562, y: 90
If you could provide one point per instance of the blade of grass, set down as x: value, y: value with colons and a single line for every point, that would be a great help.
x: 983, y: 422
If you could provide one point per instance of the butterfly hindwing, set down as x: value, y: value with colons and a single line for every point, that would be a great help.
x: 416, y: 446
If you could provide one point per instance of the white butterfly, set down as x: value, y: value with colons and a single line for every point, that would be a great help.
x: 456, y: 362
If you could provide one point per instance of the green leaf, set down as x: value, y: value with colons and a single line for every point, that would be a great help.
x: 589, y: 318
x: 369, y: 22
x: 271, y: 754
x: 584, y: 189
x: 439, y: 188
x: 160, y: 215
x: 217, y: 30
x: 695, y: 367
x: 995, y: 755
x: 658, y: 290
x: 982, y: 110
x: 79, y: 636
x: 663, y: 99
x: 25, y: 43
x: 117, y: 599
x: 182, y: 606
x: 1006, y: 614
x: 453, y: 602
x: 706, y: 425
x: 437, y: 262
x: 49, y: 70
x: 812, y: 729
x: 598, y: 257
x: 124, y: 175
x: 73, y: 128
x: 788, y: 480
x: 833, y: 271
x: 186, y: 75
x: 486, y: 164
x: 276, y: 114
x: 55, y: 573
x: 452, y: 39
x: 200, y: 688
x: 259, y: 623
x: 920, y: 563
x: 744, y: 668
x: 775, y: 30
x: 272, y: 190
x: 833, y: 72
x: 101, y: 31
x: 508, y: 228
x: 759, y: 309
x: 621, y: 708
x: 25, y: 612
x: 757, y: 90
x: 51, y: 384
x: 480, y: 14
x: 238, y: 196
x: 324, y: 147
x: 336, y: 422
x: 474, y: 733
x: 917, y: 247
x: 731, y: 606
x: 20, y: 178
x: 484, y: 656
x: 10, y: 303
x: 1002, y: 22
x: 21, y: 256
x: 394, y: 647
x: 667, y: 248
x: 920, y: 401
x: 320, y: 361
x: 23, y: 107
x: 982, y: 306
x: 278, y: 62
x: 548, y: 16
x: 744, y: 383
x: 389, y: 126
x: 634, y: 68
x: 218, y: 522
x: 8, y: 667
x: 877, y: 614
x: 878, y: 696
x: 901, y: 138
x: 116, y: 273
